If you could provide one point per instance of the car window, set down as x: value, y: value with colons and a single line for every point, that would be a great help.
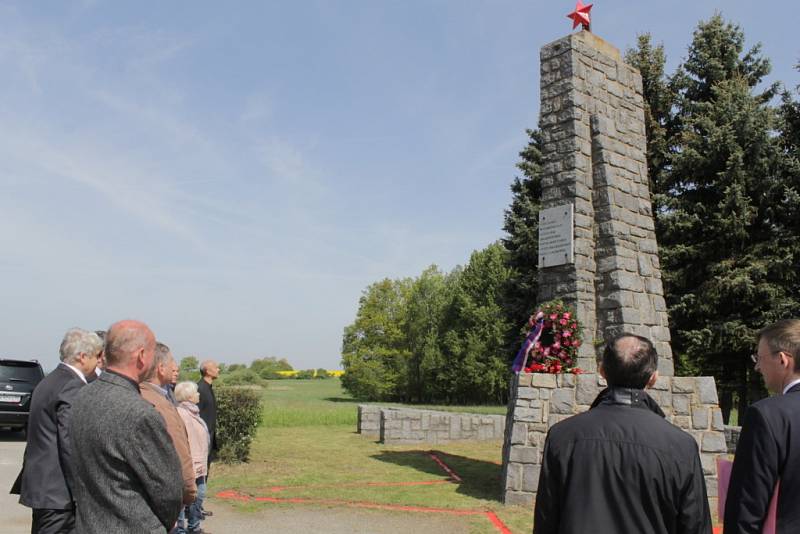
x: 20, y: 371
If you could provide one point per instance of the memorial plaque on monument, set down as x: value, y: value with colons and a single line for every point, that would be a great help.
x: 555, y: 236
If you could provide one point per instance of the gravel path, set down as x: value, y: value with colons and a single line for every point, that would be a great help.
x: 329, y: 520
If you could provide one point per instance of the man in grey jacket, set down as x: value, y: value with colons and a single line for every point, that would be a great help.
x: 128, y: 476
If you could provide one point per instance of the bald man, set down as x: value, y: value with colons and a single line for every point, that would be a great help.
x: 127, y: 471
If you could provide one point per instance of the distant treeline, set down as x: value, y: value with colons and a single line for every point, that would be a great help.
x: 724, y: 170
x: 236, y: 374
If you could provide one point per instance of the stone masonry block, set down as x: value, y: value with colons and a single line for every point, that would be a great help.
x: 543, y: 380
x: 528, y: 393
x: 683, y: 384
x: 714, y: 442
x: 587, y: 389
x: 530, y: 477
x: 682, y: 421
x: 519, y: 433
x: 700, y: 417
x: 681, y: 404
x: 514, y: 476
x: 707, y: 390
x: 562, y: 401
x: 524, y: 455
x: 716, y: 419
x: 519, y: 498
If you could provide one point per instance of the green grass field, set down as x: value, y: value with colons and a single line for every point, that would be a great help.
x: 307, y: 446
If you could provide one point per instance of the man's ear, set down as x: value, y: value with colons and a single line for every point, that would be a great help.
x: 652, y: 381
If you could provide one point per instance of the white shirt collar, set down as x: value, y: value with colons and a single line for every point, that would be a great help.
x: 790, y: 385
x: 76, y: 371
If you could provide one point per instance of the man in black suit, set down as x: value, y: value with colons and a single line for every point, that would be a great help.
x: 769, y: 446
x: 46, y: 484
x: 621, y: 467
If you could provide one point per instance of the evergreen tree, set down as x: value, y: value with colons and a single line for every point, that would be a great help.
x: 522, y: 242
x: 659, y: 99
x: 724, y: 274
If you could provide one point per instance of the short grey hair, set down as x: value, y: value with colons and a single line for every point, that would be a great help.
x: 77, y: 341
x: 184, y: 391
x: 162, y: 356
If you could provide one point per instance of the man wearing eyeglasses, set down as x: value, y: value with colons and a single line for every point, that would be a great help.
x: 769, y: 446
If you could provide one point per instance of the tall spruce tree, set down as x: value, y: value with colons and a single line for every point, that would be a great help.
x: 659, y: 99
x: 725, y: 276
x: 522, y: 241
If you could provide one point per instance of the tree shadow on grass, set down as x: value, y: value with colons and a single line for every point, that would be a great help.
x: 341, y: 399
x: 479, y: 479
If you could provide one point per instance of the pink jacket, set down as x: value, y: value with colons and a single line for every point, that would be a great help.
x: 198, y: 436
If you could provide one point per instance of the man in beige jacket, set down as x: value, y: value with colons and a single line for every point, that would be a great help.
x: 154, y: 391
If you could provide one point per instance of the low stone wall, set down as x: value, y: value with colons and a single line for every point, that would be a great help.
x: 405, y: 425
x: 732, y: 437
x: 369, y: 420
x: 542, y: 400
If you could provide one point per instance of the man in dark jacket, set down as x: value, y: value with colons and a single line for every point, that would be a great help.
x: 209, y: 371
x: 768, y: 450
x: 46, y: 484
x: 621, y: 467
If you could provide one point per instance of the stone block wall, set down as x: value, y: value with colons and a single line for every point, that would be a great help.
x: 592, y: 123
x: 403, y: 425
x: 542, y: 400
x: 369, y: 420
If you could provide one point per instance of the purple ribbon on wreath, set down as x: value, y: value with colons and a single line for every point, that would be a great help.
x: 527, y: 345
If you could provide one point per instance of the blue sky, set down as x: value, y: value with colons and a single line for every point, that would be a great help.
x: 235, y: 176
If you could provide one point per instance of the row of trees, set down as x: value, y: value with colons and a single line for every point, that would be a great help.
x: 238, y: 374
x: 438, y: 337
x: 724, y: 166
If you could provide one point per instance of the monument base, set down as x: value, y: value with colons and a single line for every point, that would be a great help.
x: 541, y: 400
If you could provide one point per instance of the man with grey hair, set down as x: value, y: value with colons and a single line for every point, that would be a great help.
x: 154, y: 391
x: 46, y: 484
x: 768, y: 450
x: 127, y: 473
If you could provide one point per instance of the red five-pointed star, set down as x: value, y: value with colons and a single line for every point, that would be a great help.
x: 580, y: 15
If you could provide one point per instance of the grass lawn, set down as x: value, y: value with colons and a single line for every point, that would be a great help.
x: 307, y: 447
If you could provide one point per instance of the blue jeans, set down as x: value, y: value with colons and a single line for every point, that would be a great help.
x: 194, y: 511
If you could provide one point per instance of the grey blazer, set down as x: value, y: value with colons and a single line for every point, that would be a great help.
x: 127, y: 473
x: 47, y: 453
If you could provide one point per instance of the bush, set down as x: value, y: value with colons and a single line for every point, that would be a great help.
x: 305, y: 375
x: 238, y: 417
x: 240, y: 377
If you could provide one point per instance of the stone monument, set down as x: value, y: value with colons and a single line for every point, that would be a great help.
x: 598, y: 253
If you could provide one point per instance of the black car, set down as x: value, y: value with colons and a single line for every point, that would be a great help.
x: 18, y: 378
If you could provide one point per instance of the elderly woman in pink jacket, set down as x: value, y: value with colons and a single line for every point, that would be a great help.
x: 187, y: 398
